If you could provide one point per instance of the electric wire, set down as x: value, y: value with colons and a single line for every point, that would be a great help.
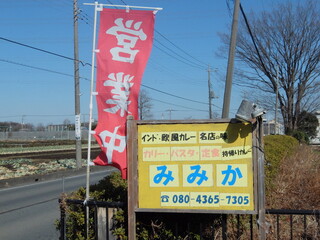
x: 254, y: 41
x: 177, y: 58
x: 68, y: 58
x: 83, y: 63
x: 70, y: 75
x: 172, y: 95
x: 177, y: 105
x: 193, y: 64
x: 42, y: 69
x: 42, y: 50
x: 186, y: 79
x: 205, y: 64
x: 175, y: 45
x: 43, y: 115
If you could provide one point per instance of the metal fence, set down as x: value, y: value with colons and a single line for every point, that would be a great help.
x: 102, y: 223
x: 282, y: 224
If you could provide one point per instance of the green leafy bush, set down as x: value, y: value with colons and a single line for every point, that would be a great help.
x: 110, y: 189
x: 301, y: 136
x: 276, y: 148
x: 308, y: 124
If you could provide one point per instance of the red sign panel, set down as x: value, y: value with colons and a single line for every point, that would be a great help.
x: 124, y: 45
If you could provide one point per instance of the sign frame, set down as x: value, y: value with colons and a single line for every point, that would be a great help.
x: 133, y: 168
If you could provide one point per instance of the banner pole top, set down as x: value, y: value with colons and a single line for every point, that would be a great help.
x: 156, y: 9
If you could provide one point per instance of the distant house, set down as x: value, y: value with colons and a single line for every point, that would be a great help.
x: 56, y: 127
x: 272, y: 128
x: 317, y: 139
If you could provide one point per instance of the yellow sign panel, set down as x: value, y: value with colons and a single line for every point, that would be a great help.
x: 195, y: 166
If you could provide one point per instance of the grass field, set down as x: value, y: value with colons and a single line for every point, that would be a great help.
x: 17, y: 166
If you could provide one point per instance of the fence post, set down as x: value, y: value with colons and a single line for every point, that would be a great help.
x: 261, y: 184
x: 110, y: 214
x: 62, y: 222
x: 132, y: 178
x: 224, y: 227
x: 101, y: 223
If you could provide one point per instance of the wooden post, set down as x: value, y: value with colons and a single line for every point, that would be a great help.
x: 62, y: 222
x: 132, y: 177
x: 110, y: 213
x: 224, y: 226
x: 102, y: 222
x: 261, y: 184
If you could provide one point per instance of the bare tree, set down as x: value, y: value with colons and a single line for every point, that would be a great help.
x: 288, y: 39
x: 145, y: 105
x: 66, y: 122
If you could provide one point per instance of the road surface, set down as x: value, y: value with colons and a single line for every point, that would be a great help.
x: 28, y: 212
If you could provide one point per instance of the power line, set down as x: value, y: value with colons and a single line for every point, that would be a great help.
x: 42, y: 115
x: 123, y: 2
x: 70, y: 75
x: 177, y: 58
x: 42, y: 50
x: 175, y: 45
x: 172, y: 95
x: 38, y: 68
x: 190, y: 63
x: 253, y: 40
x: 177, y: 105
x: 69, y: 58
x: 161, y: 68
x: 179, y: 47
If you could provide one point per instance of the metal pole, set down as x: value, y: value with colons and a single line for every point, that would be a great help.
x: 90, y: 113
x: 210, y: 94
x: 77, y: 86
x: 228, y: 86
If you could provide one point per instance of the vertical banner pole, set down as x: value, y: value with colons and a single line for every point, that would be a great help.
x: 90, y: 115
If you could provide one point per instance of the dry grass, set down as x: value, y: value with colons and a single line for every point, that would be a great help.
x: 297, y: 184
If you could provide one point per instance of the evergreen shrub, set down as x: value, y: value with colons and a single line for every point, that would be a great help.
x: 276, y: 148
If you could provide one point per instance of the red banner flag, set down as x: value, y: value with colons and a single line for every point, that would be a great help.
x: 124, y: 45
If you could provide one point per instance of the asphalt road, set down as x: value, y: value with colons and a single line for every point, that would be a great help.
x: 28, y: 212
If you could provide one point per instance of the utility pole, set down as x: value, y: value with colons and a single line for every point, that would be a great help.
x: 22, y: 122
x: 77, y: 86
x: 170, y: 111
x: 210, y: 94
x: 232, y: 48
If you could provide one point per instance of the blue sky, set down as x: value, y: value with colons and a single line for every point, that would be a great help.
x: 36, y: 87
